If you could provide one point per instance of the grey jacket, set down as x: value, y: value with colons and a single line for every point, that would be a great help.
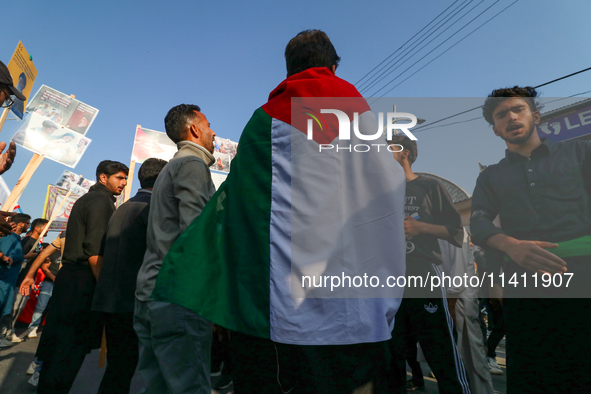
x: 181, y: 191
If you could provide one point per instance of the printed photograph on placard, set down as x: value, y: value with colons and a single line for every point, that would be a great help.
x: 151, y: 143
x: 55, y: 195
x: 40, y: 135
x: 62, y: 109
x: 226, y: 146
x: 23, y: 74
x: 74, y: 182
x: 222, y: 162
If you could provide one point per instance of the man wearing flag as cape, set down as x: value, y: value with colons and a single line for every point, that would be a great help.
x: 291, y: 214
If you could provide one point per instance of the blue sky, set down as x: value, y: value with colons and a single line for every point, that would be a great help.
x: 135, y: 60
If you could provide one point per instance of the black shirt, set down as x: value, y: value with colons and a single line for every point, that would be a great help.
x: 123, y: 256
x: 87, y: 225
x: 429, y: 202
x: 543, y: 198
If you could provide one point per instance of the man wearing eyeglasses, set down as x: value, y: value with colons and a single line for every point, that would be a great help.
x: 7, y: 91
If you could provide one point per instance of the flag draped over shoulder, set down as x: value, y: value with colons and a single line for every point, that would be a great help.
x: 288, y: 210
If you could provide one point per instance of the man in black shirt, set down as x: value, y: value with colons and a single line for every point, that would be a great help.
x: 541, y: 193
x: 430, y: 215
x: 72, y: 330
x: 122, y: 257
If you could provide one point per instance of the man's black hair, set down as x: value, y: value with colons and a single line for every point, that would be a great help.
x: 408, y: 145
x: 20, y: 218
x: 109, y: 167
x: 177, y: 120
x: 149, y: 172
x: 310, y: 48
x: 497, y: 96
x: 39, y: 222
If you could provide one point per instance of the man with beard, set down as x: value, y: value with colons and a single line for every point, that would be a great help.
x: 72, y: 330
x: 175, y: 342
x: 541, y: 192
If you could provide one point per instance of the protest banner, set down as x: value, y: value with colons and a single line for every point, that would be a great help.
x: 151, y: 143
x: 62, y: 109
x: 23, y: 72
x: 47, y: 138
x: 58, y: 204
x: 4, y: 191
x: 50, y: 222
x: 74, y: 182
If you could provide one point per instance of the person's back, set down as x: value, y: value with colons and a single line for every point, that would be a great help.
x: 288, y: 213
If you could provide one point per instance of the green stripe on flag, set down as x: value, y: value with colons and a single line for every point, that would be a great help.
x: 210, y: 266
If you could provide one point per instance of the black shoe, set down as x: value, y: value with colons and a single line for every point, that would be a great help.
x: 414, y: 384
x: 224, y: 382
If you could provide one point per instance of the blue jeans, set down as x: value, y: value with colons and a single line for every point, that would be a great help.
x: 42, y: 300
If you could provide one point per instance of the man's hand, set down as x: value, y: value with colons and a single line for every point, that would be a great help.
x: 412, y: 227
x: 26, y: 286
x: 5, y: 227
x: 533, y: 256
x: 7, y: 158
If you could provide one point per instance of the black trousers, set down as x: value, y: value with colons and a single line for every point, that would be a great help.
x: 122, y: 353
x: 429, y: 321
x: 261, y: 366
x: 498, y: 332
x: 71, y: 331
x: 547, y: 338
x: 57, y: 377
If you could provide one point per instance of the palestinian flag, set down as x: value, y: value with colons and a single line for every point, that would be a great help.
x: 291, y: 212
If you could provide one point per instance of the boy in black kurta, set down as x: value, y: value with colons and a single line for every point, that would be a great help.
x: 72, y: 330
x: 430, y: 215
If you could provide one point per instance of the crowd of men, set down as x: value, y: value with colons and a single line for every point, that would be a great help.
x: 108, y: 277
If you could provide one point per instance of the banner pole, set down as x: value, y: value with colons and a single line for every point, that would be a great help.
x: 129, y: 180
x: 3, y: 117
x: 53, y: 215
x: 22, y: 182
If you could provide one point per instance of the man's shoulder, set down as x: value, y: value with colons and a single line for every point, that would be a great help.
x: 570, y: 146
x: 429, y: 183
x: 186, y: 163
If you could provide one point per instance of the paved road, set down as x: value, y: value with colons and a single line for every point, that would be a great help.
x: 15, y: 360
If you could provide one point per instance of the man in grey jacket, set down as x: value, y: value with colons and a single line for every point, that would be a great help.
x: 175, y: 342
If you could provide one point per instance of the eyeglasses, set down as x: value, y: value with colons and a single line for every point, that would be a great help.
x: 9, y: 100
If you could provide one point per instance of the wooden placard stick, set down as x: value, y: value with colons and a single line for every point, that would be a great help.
x: 3, y: 117
x: 53, y: 215
x: 22, y: 182
x: 103, y: 352
x: 129, y: 180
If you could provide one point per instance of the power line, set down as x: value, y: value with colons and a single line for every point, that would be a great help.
x: 402, y: 59
x: 442, y: 44
x: 558, y: 79
x: 393, y: 53
x: 372, y: 81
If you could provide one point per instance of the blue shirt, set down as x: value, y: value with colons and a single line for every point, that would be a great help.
x: 10, y: 246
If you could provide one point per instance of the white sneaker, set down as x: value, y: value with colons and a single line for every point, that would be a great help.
x: 34, y: 380
x: 495, y: 369
x: 32, y: 368
x: 15, y: 339
x: 32, y: 333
